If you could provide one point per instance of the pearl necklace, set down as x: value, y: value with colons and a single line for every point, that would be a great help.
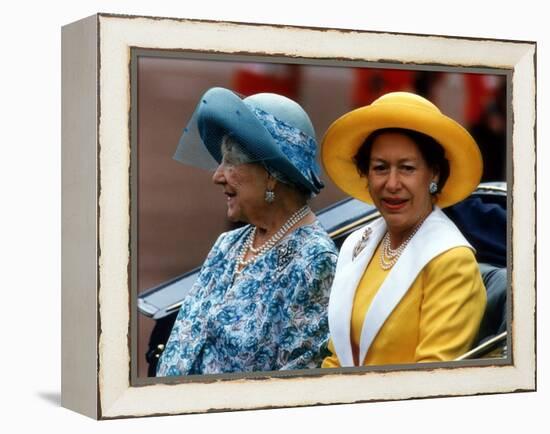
x: 294, y: 218
x: 389, y: 256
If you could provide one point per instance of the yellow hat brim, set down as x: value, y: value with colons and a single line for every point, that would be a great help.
x: 346, y: 135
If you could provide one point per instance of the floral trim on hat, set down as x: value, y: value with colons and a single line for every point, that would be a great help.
x: 297, y: 146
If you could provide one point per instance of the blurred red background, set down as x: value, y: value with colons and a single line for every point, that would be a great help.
x: 180, y: 211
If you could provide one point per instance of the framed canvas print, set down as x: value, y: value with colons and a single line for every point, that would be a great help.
x: 185, y: 293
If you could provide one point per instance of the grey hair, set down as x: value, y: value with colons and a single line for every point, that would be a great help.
x: 233, y: 153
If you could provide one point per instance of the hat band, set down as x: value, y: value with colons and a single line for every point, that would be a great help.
x: 298, y: 147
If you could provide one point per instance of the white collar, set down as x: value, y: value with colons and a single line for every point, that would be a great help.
x: 436, y: 235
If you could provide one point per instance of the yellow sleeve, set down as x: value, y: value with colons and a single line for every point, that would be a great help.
x: 332, y: 360
x: 453, y: 304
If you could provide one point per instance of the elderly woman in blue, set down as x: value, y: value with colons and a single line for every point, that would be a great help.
x: 260, y: 301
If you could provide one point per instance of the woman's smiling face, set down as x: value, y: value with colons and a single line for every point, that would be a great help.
x: 244, y: 187
x: 398, y: 182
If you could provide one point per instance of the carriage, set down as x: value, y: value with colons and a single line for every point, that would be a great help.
x: 481, y: 218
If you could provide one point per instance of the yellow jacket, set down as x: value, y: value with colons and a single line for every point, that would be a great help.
x: 437, y: 319
x: 436, y: 313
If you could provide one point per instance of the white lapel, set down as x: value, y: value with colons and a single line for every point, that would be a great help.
x: 348, y: 274
x: 436, y: 235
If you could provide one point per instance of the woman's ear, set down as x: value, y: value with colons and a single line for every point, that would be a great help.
x: 435, y: 177
x: 271, y: 181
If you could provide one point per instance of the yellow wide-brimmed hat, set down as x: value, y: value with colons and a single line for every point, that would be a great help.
x: 409, y: 111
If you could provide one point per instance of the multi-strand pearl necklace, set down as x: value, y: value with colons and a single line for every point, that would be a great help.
x: 389, y: 256
x: 248, y: 244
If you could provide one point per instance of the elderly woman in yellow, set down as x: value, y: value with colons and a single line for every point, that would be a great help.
x: 407, y: 287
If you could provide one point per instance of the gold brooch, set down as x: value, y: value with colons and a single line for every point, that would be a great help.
x: 361, y: 243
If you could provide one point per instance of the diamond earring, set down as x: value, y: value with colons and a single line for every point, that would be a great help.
x: 269, y: 196
x: 433, y: 187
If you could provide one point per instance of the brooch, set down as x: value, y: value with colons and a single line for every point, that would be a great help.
x: 285, y: 254
x: 361, y: 243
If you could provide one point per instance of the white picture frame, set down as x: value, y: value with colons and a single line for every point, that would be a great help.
x: 97, y: 301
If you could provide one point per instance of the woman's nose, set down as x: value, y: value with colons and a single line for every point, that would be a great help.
x: 393, y: 182
x: 218, y: 176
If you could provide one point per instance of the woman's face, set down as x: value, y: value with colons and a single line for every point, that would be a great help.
x: 399, y: 180
x: 244, y: 186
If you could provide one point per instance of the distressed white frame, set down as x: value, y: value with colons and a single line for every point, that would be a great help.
x: 100, y: 386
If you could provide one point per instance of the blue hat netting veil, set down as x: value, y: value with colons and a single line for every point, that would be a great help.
x: 200, y: 142
x: 262, y: 136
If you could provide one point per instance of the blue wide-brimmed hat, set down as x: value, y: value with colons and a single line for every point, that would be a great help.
x: 271, y: 129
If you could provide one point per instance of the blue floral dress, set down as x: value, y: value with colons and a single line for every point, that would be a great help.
x: 271, y: 316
